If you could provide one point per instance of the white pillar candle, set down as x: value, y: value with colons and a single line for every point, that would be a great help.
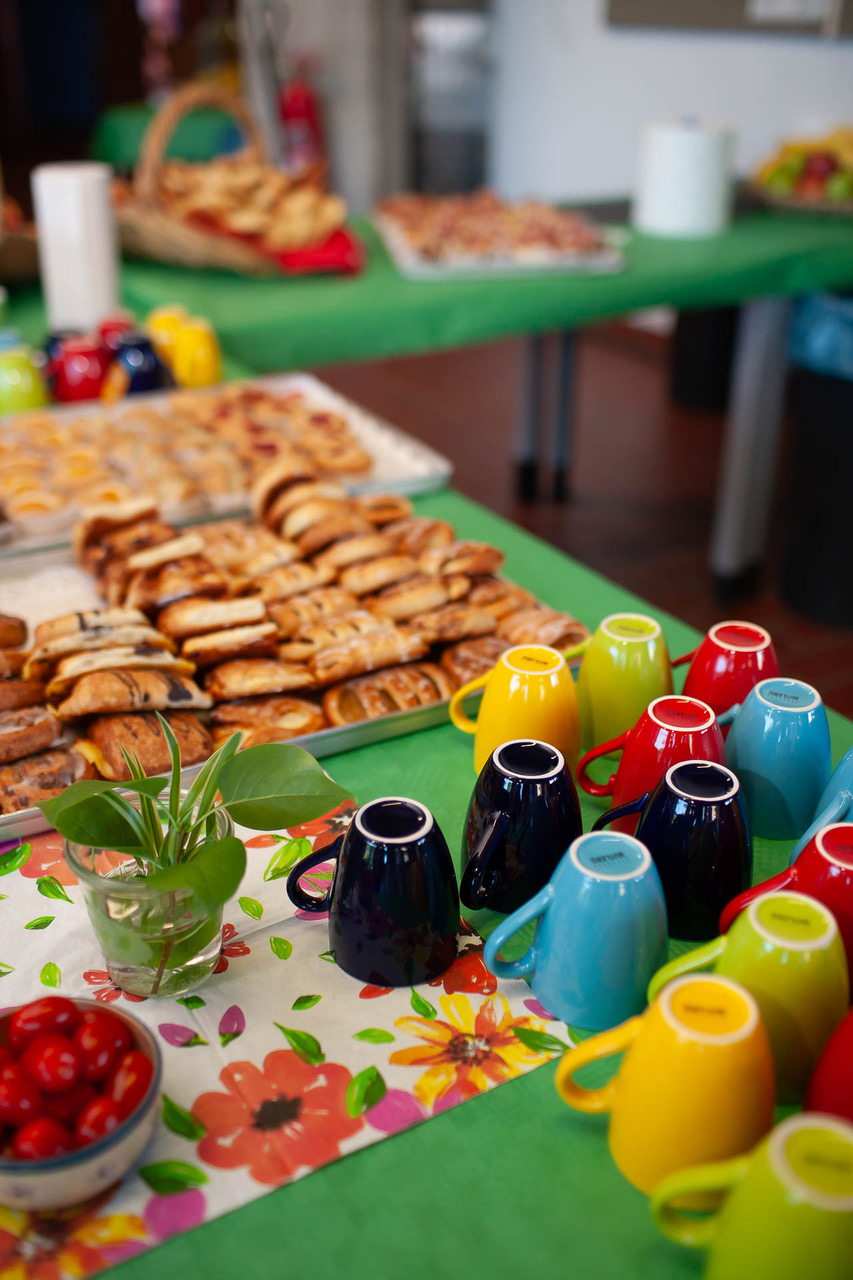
x: 684, y: 180
x: 78, y: 250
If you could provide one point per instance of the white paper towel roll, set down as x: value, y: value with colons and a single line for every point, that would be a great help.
x: 78, y: 253
x: 684, y: 182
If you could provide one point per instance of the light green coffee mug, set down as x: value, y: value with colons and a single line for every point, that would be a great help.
x: 625, y: 667
x: 21, y: 386
x: 786, y: 950
x: 786, y: 1211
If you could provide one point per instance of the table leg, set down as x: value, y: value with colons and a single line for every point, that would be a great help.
x: 564, y: 423
x: 745, y: 486
x: 529, y: 429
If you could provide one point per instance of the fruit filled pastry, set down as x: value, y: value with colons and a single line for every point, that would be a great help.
x: 269, y: 719
x: 25, y: 730
x: 123, y: 691
x: 316, y: 636
x: 472, y: 658
x: 256, y: 641
x: 395, y: 689
x: 541, y: 625
x: 453, y: 622
x: 416, y: 534
x: 417, y: 595
x: 500, y: 598
x: 247, y: 677
x: 27, y: 782
x: 290, y: 616
x: 366, y: 653
x: 461, y: 557
x: 142, y: 735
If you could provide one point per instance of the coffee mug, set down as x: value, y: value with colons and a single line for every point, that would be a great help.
x: 21, y: 385
x: 625, y: 665
x: 824, y: 870
x: 523, y: 816
x: 601, y: 926
x: 783, y: 1212
x: 529, y: 693
x: 834, y: 805
x: 695, y: 825
x: 731, y: 658
x: 196, y: 357
x: 785, y: 949
x: 779, y: 748
x: 831, y: 1086
x: 671, y: 729
x: 393, y: 905
x: 696, y: 1082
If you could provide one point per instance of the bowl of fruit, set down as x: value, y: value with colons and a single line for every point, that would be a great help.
x: 816, y: 176
x: 79, y: 1100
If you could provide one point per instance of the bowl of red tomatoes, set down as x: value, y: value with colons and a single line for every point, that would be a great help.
x: 79, y: 1100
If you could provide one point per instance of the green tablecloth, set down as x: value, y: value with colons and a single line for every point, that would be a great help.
x: 510, y: 1185
x: 119, y: 132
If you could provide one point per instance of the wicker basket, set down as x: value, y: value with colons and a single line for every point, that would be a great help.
x: 148, y: 230
x: 793, y: 204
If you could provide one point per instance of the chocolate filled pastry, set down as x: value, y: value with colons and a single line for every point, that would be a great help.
x: 127, y: 658
x: 118, y: 691
x: 126, y: 542
x: 290, y: 580
x: 473, y: 658
x: 256, y: 641
x: 199, y: 616
x: 247, y: 677
x: 24, y: 730
x: 416, y: 595
x: 13, y: 631
x: 44, y: 659
x: 152, y: 589
x: 396, y: 689
x: 355, y: 550
x: 366, y: 579
x: 383, y: 508
x: 316, y: 636
x: 97, y: 620
x: 270, y: 719
x: 462, y: 557
x: 100, y: 522
x: 366, y: 653
x: 344, y: 525
x: 326, y: 602
x: 20, y: 693
x: 453, y: 622
x: 141, y: 735
x: 27, y: 782
x: 417, y: 534
x: 500, y: 598
x: 273, y: 481
x: 542, y: 626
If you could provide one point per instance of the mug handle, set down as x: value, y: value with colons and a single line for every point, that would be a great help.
x: 532, y: 910
x: 686, y: 1227
x: 700, y: 958
x: 836, y: 811
x: 457, y: 715
x: 726, y: 717
x: 685, y: 657
x: 298, y: 896
x: 603, y: 749
x: 730, y: 912
x: 471, y: 889
x: 604, y: 1045
x: 621, y: 811
x: 577, y: 649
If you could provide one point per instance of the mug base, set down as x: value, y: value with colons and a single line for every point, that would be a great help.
x: 383, y: 971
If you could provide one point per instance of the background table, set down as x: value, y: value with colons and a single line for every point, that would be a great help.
x: 511, y: 1185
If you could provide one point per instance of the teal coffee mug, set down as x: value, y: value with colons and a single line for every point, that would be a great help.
x: 835, y: 803
x: 600, y: 934
x: 779, y: 748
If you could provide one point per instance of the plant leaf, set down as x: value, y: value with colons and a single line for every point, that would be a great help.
x: 82, y: 814
x: 281, y: 947
x: 364, y: 1091
x: 303, y: 1043
x: 251, y: 907
x: 286, y: 857
x: 374, y: 1035
x: 6, y: 969
x: 41, y: 923
x: 191, y: 1002
x: 15, y: 858
x: 277, y: 785
x: 305, y: 1002
x: 421, y: 1006
x: 181, y: 1121
x: 50, y: 887
x: 171, y: 1176
x: 50, y: 975
x: 539, y: 1041
x: 212, y: 876
x: 328, y: 956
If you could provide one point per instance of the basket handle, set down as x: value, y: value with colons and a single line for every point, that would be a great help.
x: 167, y: 119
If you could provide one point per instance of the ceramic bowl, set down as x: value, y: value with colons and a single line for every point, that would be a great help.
x: 69, y: 1180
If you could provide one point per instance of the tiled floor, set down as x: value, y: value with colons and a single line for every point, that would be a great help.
x: 643, y: 480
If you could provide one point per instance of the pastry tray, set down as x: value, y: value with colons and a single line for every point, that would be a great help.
x: 401, y: 463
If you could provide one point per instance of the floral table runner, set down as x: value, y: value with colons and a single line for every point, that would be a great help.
x: 280, y: 1064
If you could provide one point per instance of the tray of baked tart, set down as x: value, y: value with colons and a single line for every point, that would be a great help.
x: 327, y: 619
x: 198, y: 452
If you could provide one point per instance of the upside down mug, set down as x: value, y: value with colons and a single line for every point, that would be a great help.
x: 696, y: 1083
x: 625, y: 665
x: 782, y: 1212
x: 831, y: 1086
x: 835, y: 803
x: 731, y: 658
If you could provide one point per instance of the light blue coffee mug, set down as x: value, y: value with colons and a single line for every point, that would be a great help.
x: 834, y: 805
x: 779, y: 748
x: 601, y: 932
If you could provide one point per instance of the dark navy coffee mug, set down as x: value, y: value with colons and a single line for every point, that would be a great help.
x: 393, y: 904
x: 524, y: 814
x: 696, y: 827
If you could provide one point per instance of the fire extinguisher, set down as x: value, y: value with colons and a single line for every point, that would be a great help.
x: 299, y: 105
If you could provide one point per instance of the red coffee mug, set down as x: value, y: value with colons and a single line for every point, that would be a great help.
x: 732, y: 658
x: 671, y: 729
x: 831, y: 1086
x: 824, y: 870
x: 79, y: 370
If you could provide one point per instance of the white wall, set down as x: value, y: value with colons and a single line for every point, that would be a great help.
x: 571, y: 94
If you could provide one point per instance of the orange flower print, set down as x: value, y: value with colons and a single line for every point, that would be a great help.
x: 72, y: 1243
x: 468, y: 971
x: 107, y: 991
x: 276, y: 1121
x: 467, y: 1052
x: 232, y: 948
x: 46, y: 859
x: 324, y: 831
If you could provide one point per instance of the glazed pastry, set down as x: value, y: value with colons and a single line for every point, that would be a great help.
x: 27, y: 782
x: 500, y: 598
x: 282, y: 553
x: 316, y: 636
x: 417, y: 534
x: 366, y: 653
x: 256, y: 641
x: 124, y: 542
x: 273, y: 481
x: 385, y: 692
x: 461, y: 557
x: 417, y: 595
x: 307, y: 514
x: 473, y: 658
x: 542, y: 626
x: 297, y: 612
x: 13, y: 631
x: 366, y: 579
x: 383, y: 508
x: 189, y: 544
x: 141, y: 735
x: 44, y: 659
x: 25, y: 730
x: 298, y: 494
x: 20, y: 693
x: 355, y: 550
x: 152, y: 589
x: 195, y: 617
x: 247, y: 677
x: 98, y: 522
x: 344, y: 525
x: 231, y: 544
x: 90, y: 620
x: 127, y: 658
x: 270, y: 719
x: 106, y: 691
x: 453, y: 622
x: 291, y: 580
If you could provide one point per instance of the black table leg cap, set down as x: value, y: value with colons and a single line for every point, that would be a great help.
x: 735, y: 586
x: 527, y: 481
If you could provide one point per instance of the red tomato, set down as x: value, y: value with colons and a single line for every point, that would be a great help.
x: 66, y: 1107
x: 102, y: 1039
x: 50, y: 1013
x: 6, y: 1056
x: 129, y: 1083
x: 54, y: 1062
x: 96, y: 1120
x: 20, y: 1100
x: 41, y: 1139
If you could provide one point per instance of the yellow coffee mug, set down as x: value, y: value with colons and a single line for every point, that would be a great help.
x: 529, y: 693
x: 696, y: 1083
x: 197, y: 360
x: 162, y: 325
x: 625, y: 667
